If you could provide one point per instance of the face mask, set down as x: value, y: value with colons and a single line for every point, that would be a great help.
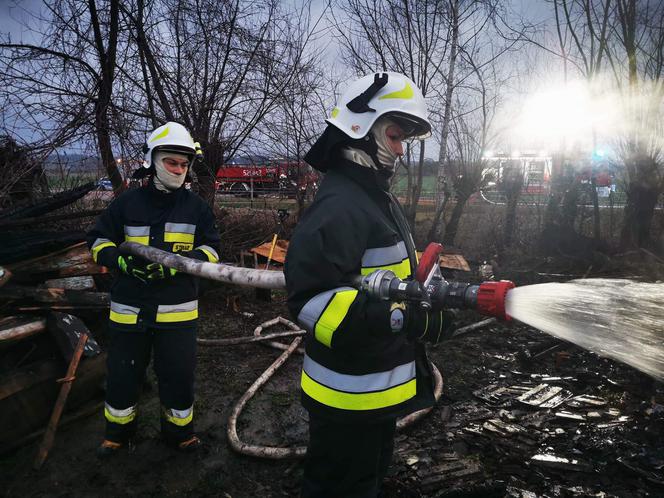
x: 385, y: 154
x: 164, y: 180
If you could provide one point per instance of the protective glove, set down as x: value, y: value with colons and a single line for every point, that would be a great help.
x: 157, y: 271
x: 419, y: 324
x: 132, y: 267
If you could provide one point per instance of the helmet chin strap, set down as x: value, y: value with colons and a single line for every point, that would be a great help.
x: 163, y: 179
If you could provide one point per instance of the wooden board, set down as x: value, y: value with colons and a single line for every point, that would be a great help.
x: 451, y: 261
x: 83, y: 282
x: 18, y: 328
x: 69, y: 262
x: 279, y: 253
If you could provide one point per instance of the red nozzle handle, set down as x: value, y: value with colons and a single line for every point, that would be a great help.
x: 430, y: 258
x: 491, y: 298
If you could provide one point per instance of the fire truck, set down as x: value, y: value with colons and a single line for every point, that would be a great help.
x: 245, y: 176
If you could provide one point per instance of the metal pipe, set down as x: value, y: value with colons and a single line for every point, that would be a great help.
x: 262, y: 279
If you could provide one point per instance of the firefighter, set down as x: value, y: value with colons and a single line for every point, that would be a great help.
x: 365, y: 362
x: 154, y: 308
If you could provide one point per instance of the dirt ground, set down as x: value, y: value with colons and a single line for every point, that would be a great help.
x: 471, y: 445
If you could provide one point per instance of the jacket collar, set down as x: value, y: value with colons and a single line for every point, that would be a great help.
x: 370, y: 179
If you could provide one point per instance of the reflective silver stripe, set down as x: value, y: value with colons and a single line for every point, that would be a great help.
x: 181, y: 413
x: 180, y: 228
x: 210, y: 250
x: 384, y: 256
x: 359, y: 383
x: 136, y: 231
x: 176, y: 308
x: 124, y: 309
x: 120, y: 413
x: 311, y: 312
x: 100, y: 241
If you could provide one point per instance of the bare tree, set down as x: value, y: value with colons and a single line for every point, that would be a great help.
x: 60, y: 88
x: 623, y: 38
x: 295, y: 124
x: 216, y: 66
x: 410, y: 37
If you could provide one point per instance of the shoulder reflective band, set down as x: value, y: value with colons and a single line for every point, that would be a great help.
x: 393, y: 258
x: 121, y: 313
x: 179, y: 232
x: 140, y: 235
x: 179, y: 417
x: 121, y: 417
x: 98, y: 245
x: 358, y: 392
x: 168, y: 313
x: 324, y: 312
x: 213, y: 256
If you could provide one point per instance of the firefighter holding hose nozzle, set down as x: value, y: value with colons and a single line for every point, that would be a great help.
x: 365, y: 362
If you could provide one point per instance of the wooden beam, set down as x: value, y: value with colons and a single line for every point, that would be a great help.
x: 21, y: 328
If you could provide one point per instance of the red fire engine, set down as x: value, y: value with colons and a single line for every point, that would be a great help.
x: 262, y: 176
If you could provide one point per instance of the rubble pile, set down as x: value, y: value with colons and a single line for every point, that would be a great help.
x: 49, y: 284
x: 540, y: 418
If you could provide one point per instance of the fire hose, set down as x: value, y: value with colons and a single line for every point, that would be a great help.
x: 429, y: 290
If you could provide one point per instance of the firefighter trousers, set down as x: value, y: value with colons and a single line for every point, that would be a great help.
x: 347, y: 460
x: 174, y: 363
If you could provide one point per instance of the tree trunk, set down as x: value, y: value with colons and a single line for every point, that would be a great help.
x: 417, y: 187
x: 453, y: 224
x: 441, y: 180
x: 596, y: 220
x: 206, y: 171
x: 641, y: 202
x: 510, y: 219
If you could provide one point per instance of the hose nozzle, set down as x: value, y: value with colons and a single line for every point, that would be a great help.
x: 491, y: 298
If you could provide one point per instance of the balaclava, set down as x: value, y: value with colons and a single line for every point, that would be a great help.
x: 384, y: 154
x: 164, y: 180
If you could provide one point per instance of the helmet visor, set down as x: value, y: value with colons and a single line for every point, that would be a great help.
x: 413, y: 127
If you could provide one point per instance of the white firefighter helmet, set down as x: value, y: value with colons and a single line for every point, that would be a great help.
x: 379, y: 94
x: 171, y: 137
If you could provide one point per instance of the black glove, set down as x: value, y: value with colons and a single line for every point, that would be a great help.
x: 419, y: 324
x: 129, y: 265
x: 157, y: 271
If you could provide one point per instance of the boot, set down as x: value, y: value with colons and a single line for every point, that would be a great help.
x: 108, y: 448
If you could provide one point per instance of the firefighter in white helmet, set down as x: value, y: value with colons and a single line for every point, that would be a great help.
x: 154, y: 308
x: 365, y: 363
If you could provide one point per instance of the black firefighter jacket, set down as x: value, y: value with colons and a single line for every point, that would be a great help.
x: 174, y: 222
x: 356, y: 369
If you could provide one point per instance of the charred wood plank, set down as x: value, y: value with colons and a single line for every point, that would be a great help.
x: 49, y: 204
x: 71, y: 261
x: 20, y: 328
x: 18, y: 246
x: 57, y: 296
x: 24, y: 222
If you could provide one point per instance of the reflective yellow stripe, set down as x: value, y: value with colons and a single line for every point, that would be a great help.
x: 161, y: 135
x: 360, y: 401
x: 179, y: 421
x: 143, y: 239
x: 179, y: 237
x: 405, y: 93
x: 333, y: 315
x: 401, y: 270
x: 177, y: 316
x: 119, y: 420
x: 124, y: 318
x: 211, y: 257
x: 96, y: 249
